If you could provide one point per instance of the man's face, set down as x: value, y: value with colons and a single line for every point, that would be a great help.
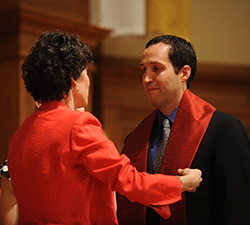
x: 162, y: 85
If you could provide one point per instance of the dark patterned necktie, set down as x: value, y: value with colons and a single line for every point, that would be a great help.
x: 162, y: 146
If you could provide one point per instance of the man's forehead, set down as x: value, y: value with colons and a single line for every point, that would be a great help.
x: 155, y: 54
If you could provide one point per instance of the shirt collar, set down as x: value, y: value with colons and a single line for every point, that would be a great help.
x: 161, y: 116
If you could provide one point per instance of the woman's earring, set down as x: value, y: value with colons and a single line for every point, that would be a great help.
x: 77, y: 88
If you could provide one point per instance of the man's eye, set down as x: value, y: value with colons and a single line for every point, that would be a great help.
x: 156, y: 68
x: 143, y: 70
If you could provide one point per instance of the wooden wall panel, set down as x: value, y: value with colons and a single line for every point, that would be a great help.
x: 227, y: 87
x: 9, y: 103
x: 124, y: 103
x: 8, y: 72
x: 69, y: 9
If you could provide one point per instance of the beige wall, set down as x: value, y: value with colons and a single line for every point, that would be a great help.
x: 221, y: 31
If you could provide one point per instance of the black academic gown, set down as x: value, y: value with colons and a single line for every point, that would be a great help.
x: 203, y: 138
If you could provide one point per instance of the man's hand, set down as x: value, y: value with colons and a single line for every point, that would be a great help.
x: 190, y: 179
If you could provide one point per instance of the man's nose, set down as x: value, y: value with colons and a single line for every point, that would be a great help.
x: 147, y: 77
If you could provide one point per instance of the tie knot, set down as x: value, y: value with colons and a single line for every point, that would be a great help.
x: 165, y: 123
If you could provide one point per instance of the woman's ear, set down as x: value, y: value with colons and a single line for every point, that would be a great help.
x: 73, y: 84
x: 185, y: 73
x: 38, y: 104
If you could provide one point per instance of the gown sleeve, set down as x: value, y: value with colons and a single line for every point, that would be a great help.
x: 99, y: 156
x: 232, y: 161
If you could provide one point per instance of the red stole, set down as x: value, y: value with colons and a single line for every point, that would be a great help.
x: 190, y: 124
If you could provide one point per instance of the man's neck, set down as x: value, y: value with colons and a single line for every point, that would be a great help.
x: 168, y: 108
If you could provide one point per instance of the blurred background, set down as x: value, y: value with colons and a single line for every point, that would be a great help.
x: 117, y: 31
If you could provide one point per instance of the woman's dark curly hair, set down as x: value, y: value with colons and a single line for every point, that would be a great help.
x: 181, y: 53
x: 52, y: 61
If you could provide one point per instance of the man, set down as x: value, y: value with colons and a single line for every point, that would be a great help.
x: 200, y: 137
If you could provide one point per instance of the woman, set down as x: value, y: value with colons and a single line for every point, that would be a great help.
x: 63, y: 169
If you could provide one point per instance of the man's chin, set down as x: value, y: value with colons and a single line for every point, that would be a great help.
x: 153, y: 103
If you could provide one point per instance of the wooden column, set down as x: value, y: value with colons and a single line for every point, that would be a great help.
x: 9, y: 88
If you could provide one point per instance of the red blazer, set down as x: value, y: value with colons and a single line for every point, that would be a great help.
x: 64, y: 171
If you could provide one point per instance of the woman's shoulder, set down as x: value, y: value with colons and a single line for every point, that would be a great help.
x: 84, y: 117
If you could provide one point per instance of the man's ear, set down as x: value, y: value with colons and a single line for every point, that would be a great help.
x: 185, y: 73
